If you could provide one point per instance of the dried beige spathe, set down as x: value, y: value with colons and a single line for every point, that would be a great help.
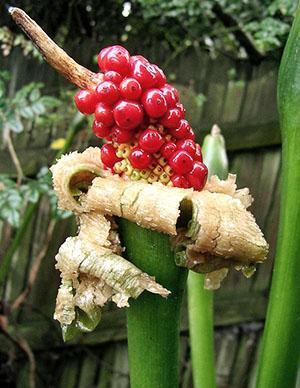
x: 212, y: 231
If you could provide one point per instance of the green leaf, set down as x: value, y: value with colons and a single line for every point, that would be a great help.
x: 6, y: 182
x: 35, y: 95
x: 31, y: 192
x: 50, y: 102
x: 15, y: 124
x: 27, y: 112
x: 38, y: 108
x: 12, y: 216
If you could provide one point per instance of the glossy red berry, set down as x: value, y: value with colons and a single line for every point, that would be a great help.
x: 136, y: 58
x: 101, y: 130
x: 154, y: 103
x: 86, y: 101
x: 169, y: 95
x: 168, y: 149
x: 128, y: 114
x: 181, y: 162
x: 171, y: 119
x: 113, y: 76
x: 160, y: 77
x: 181, y: 131
x: 139, y: 158
x: 121, y: 136
x: 181, y: 108
x: 144, y: 73
x: 198, y: 153
x: 174, y: 90
x: 191, y: 134
x: 198, y: 175
x: 102, y: 58
x: 187, y: 145
x: 151, y: 140
x: 180, y: 181
x: 107, y: 92
x: 108, y: 155
x: 116, y: 58
x: 104, y: 114
x: 130, y: 89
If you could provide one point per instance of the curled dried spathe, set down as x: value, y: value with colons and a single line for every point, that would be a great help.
x: 215, y: 221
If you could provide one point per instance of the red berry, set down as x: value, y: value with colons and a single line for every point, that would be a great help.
x: 128, y: 114
x: 107, y: 92
x: 168, y: 149
x: 171, y: 119
x: 169, y: 95
x: 174, y: 90
x: 198, y: 176
x: 136, y: 58
x: 190, y: 134
x: 100, y: 130
x: 187, y: 145
x: 180, y: 181
x: 116, y: 58
x: 181, y: 162
x: 144, y: 73
x: 139, y: 158
x: 154, y: 103
x: 104, y: 114
x: 160, y: 77
x: 113, y: 76
x: 181, y: 131
x: 181, y: 108
x: 130, y: 89
x: 121, y: 136
x: 102, y: 58
x: 86, y: 101
x: 108, y: 155
x: 151, y: 140
x: 198, y: 153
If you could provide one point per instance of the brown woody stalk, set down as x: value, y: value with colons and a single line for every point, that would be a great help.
x: 53, y: 54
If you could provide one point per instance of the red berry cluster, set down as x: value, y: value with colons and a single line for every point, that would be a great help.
x: 141, y: 117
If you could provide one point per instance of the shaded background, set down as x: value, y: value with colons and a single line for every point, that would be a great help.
x: 223, y: 56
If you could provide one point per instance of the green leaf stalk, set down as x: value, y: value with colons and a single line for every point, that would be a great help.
x: 200, y: 301
x: 281, y: 342
x: 153, y: 322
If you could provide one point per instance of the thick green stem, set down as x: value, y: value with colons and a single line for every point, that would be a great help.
x: 153, y: 322
x: 200, y: 301
x: 281, y: 342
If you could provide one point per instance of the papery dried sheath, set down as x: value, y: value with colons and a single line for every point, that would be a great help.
x: 152, y: 206
x: 73, y: 171
x: 120, y: 279
x: 222, y: 231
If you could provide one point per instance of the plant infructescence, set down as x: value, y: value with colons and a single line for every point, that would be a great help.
x: 155, y: 181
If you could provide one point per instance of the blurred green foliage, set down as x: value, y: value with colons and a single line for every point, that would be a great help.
x: 28, y: 107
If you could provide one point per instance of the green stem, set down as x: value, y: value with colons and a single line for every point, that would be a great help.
x: 153, y: 322
x: 200, y: 301
x: 75, y: 126
x: 281, y: 342
x: 201, y: 328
